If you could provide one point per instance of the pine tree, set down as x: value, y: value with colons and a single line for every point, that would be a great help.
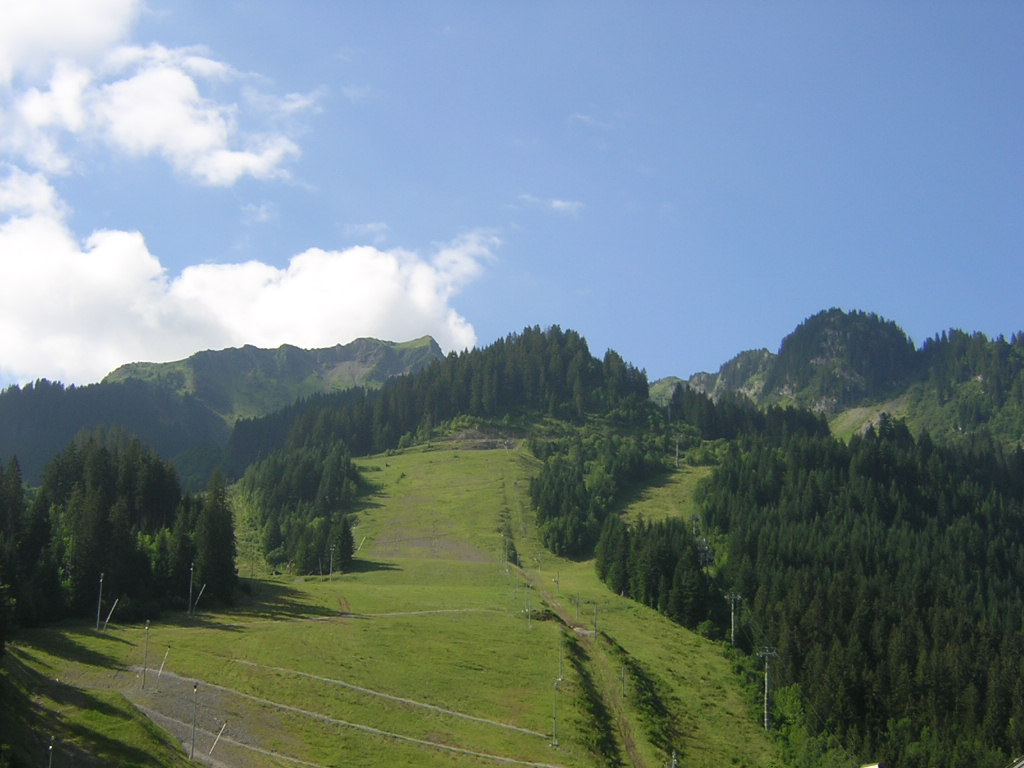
x: 215, y: 543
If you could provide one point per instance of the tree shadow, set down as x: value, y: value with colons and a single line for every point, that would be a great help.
x: 34, y: 702
x: 274, y: 600
x: 369, y: 566
x: 635, y: 492
x: 63, y: 643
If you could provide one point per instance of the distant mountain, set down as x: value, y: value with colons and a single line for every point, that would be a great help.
x: 852, y: 366
x: 249, y: 381
x: 185, y: 410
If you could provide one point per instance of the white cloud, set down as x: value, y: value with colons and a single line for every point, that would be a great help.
x: 66, y: 94
x: 74, y: 311
x: 570, y: 207
x: 555, y: 205
x: 282, y: 107
x: 35, y: 33
x: 29, y: 194
x: 589, y: 121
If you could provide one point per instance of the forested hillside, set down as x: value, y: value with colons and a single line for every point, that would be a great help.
x: 38, y: 420
x: 303, y: 489
x: 959, y: 386
x: 185, y: 410
x: 884, y: 570
x: 887, y: 573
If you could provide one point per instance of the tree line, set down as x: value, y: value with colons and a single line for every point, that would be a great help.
x: 110, y: 508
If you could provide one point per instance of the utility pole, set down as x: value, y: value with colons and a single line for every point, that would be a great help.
x: 554, y: 714
x: 734, y: 598
x: 99, y: 602
x: 110, y: 613
x: 330, y: 576
x: 561, y: 645
x: 767, y: 654
x: 195, y: 693
x: 191, y: 570
x: 145, y: 656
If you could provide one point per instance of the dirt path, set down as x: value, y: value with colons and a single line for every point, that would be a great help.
x: 610, y: 691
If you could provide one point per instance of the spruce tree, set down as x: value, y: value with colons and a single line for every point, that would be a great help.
x: 215, y: 543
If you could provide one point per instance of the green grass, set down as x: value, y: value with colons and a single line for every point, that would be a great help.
x: 847, y: 423
x: 673, y: 496
x: 426, y: 645
x: 63, y: 685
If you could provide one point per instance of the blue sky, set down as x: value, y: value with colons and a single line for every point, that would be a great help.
x: 676, y: 181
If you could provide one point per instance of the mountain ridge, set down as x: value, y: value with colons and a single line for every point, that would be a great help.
x: 186, y: 409
x: 852, y: 366
x: 247, y: 381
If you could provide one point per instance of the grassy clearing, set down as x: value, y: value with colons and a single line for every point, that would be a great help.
x: 425, y: 655
x: 853, y: 420
x: 673, y: 496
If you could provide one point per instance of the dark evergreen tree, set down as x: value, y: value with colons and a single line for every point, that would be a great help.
x: 215, y: 543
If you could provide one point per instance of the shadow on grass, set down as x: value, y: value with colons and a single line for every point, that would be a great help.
x: 635, y: 492
x: 369, y: 566
x: 64, y: 644
x: 274, y: 600
x: 112, y: 751
x: 36, y: 711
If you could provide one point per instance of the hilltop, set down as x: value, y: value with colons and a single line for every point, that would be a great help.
x: 853, y: 366
x: 186, y: 409
x: 249, y: 381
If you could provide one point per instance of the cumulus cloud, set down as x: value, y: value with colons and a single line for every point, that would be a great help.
x: 74, y: 311
x: 60, y: 93
x: 35, y: 33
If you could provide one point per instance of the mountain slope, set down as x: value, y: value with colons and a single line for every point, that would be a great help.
x: 852, y: 366
x: 249, y: 381
x: 870, y: 546
x: 38, y: 421
x: 185, y: 409
x: 431, y: 641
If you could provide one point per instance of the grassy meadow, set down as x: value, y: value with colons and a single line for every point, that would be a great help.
x: 432, y: 652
